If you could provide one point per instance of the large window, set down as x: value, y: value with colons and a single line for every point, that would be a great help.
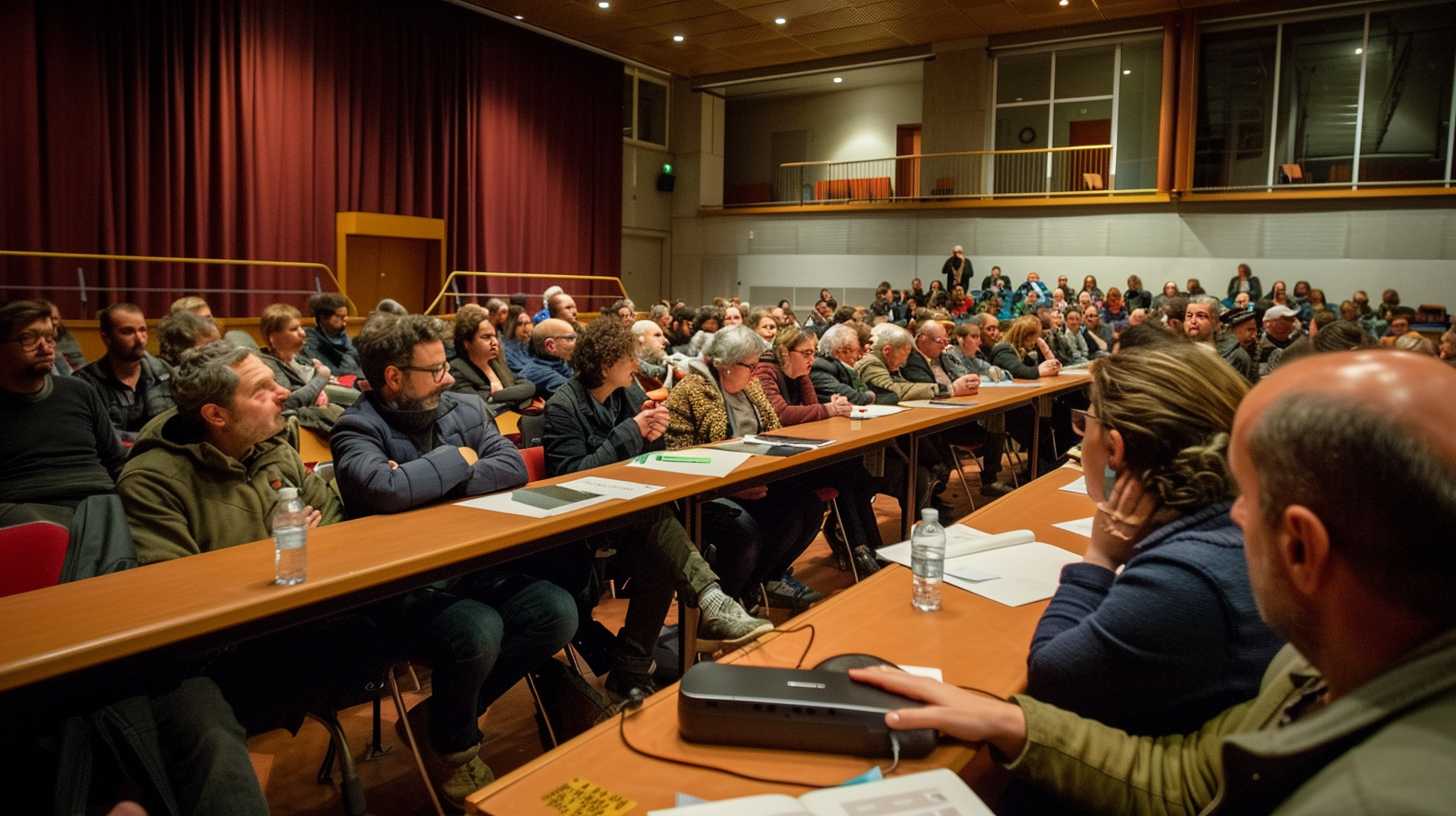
x: 1341, y: 99
x: 1095, y: 107
x: 644, y: 108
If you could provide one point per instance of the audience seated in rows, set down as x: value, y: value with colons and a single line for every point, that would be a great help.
x: 479, y: 368
x: 601, y: 416
x: 552, y: 342
x: 517, y: 338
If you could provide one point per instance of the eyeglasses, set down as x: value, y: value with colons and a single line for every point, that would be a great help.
x: 570, y: 337
x: 1079, y: 421
x: 747, y: 366
x: 28, y: 340
x: 435, y: 372
x: 805, y: 353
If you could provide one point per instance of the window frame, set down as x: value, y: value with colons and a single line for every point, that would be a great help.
x: 640, y: 75
x: 1277, y: 21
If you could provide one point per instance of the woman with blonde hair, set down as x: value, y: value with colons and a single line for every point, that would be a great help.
x: 1175, y: 636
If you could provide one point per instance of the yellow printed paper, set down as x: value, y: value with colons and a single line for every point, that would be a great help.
x: 580, y: 797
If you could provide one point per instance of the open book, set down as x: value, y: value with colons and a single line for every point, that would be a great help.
x: 930, y: 793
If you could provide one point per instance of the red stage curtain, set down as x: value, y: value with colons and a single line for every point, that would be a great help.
x: 237, y: 128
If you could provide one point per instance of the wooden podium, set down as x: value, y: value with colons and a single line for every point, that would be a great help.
x: 390, y: 256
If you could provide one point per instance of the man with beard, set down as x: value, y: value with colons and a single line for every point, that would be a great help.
x: 134, y: 385
x: 410, y: 442
x: 652, y: 359
x: 58, y: 447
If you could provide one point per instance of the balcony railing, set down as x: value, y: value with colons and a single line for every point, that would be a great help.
x: 971, y: 174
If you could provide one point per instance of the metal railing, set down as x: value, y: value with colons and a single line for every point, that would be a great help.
x: 1037, y: 172
x: 449, y: 290
x: 83, y: 287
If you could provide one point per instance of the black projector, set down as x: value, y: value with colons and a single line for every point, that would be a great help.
x: 797, y: 709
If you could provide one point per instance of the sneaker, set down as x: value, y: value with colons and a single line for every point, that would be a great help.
x: 785, y: 594
x: 458, y: 775
x: 994, y: 490
x: 865, y: 562
x: 620, y: 683
x: 729, y: 629
x: 813, y: 595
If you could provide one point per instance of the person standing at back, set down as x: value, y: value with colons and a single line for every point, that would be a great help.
x: 957, y: 270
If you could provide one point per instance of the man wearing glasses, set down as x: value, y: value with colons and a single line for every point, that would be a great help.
x: 552, y: 342
x: 58, y: 446
x: 411, y: 442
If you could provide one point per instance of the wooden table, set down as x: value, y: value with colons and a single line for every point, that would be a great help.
x: 228, y: 593
x: 974, y: 641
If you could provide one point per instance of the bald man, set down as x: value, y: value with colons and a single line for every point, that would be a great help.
x: 652, y: 352
x: 1353, y: 565
x: 563, y: 307
x: 552, y: 341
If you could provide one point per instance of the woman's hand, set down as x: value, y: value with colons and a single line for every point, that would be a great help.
x: 955, y: 712
x: 1120, y: 523
x: 651, y: 421
x: 1048, y: 368
x: 839, y: 406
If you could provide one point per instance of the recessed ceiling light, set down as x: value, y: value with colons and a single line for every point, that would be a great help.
x: 1359, y: 51
x: 677, y: 38
x: 780, y: 20
x: 1127, y: 72
x: 838, y: 80
x: 603, y: 4
x: 1063, y: 3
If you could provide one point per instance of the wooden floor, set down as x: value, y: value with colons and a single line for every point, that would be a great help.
x: 288, y: 764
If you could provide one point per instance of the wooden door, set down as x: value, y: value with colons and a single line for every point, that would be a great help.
x: 907, y: 171
x: 1079, y: 163
x: 389, y: 268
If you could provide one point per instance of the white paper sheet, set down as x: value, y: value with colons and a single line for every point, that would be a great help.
x: 872, y: 411
x: 1082, y: 527
x: 1079, y: 485
x: 503, y: 503
x: 1012, y: 576
x: 719, y: 463
x: 611, y: 488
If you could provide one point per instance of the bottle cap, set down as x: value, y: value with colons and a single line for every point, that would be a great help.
x: 930, y: 514
x: 286, y: 493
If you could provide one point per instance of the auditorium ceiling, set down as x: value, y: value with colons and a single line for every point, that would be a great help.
x: 725, y: 36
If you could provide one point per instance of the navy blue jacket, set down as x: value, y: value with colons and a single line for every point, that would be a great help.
x: 1164, y: 646
x: 548, y: 373
x: 339, y: 355
x: 363, y: 444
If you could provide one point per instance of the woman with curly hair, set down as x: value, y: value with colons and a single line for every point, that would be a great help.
x: 1175, y: 637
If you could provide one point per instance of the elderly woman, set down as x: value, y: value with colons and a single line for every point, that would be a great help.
x: 833, y: 372
x: 757, y: 532
x: 479, y: 368
x: 600, y: 416
x: 306, y: 379
x: 517, y: 345
x: 1159, y: 609
x: 783, y: 373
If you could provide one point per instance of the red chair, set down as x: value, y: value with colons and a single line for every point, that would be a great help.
x: 535, y: 463
x: 32, y: 555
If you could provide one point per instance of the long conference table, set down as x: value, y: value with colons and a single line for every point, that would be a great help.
x: 73, y: 637
x: 973, y: 641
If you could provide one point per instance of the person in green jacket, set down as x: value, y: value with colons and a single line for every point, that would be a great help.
x: 1351, y: 564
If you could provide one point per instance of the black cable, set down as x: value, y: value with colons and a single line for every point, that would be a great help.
x: 799, y: 664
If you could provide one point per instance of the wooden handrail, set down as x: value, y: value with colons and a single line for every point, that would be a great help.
x: 462, y: 273
x: 101, y: 256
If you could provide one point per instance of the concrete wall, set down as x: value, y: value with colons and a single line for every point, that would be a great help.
x: 767, y: 257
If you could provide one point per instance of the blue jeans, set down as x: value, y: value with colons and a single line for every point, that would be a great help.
x: 481, y: 637
x: 757, y: 540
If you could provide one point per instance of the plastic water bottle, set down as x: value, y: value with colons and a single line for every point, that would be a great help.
x: 290, y: 539
x: 927, y: 561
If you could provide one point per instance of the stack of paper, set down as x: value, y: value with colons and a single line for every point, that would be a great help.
x: 1011, y: 568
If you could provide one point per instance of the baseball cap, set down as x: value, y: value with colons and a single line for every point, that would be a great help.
x: 1277, y: 311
